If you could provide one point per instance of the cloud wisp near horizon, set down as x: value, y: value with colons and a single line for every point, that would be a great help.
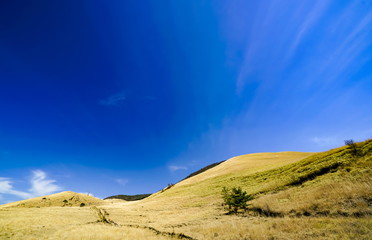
x: 40, y: 186
x: 126, y: 97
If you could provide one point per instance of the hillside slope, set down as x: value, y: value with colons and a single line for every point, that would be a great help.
x: 62, y: 199
x: 270, y: 172
x: 326, y: 195
x: 319, y: 196
x: 249, y: 163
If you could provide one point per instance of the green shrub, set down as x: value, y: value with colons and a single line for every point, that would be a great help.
x: 353, y: 147
x: 235, y: 198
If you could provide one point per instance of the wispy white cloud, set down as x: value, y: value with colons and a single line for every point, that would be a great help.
x: 113, y: 100
x: 174, y: 168
x: 122, y: 181
x: 7, y: 188
x: 40, y: 185
x: 343, y: 55
x: 306, y: 23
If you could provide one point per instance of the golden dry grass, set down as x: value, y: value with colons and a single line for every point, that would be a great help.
x: 249, y: 163
x: 62, y: 223
x: 333, y: 180
x: 62, y: 199
x: 326, y: 197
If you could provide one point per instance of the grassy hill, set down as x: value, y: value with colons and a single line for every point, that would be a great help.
x: 346, y: 178
x: 265, y: 173
x: 325, y: 195
x: 246, y: 164
x: 62, y: 199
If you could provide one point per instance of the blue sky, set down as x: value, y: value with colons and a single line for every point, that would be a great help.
x: 124, y: 97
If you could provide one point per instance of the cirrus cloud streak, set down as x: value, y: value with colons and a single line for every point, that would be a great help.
x: 40, y: 185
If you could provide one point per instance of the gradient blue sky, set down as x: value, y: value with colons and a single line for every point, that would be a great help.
x: 124, y: 97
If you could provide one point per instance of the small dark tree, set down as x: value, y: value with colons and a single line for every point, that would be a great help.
x: 235, y: 198
x: 354, y: 150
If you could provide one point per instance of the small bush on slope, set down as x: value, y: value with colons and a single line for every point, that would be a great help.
x: 354, y: 149
x: 235, y: 198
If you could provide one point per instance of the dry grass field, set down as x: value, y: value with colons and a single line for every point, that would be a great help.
x: 63, y: 199
x: 324, y: 195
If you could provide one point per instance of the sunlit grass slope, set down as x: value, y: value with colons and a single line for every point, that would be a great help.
x: 249, y: 163
x: 322, y: 196
x: 264, y: 173
x: 205, y: 187
x: 62, y: 199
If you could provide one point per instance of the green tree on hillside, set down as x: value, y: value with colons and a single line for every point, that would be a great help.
x: 235, y: 198
x: 354, y: 150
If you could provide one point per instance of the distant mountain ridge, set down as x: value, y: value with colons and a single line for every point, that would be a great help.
x: 203, y: 169
x: 143, y: 196
x: 129, y: 197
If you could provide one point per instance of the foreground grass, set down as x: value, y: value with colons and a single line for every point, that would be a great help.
x: 283, y: 228
x: 63, y: 223
x: 75, y: 223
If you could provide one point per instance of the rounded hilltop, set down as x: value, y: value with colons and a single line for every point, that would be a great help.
x: 249, y: 163
x: 62, y: 199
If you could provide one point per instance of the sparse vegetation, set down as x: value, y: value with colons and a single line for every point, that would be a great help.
x: 170, y: 185
x: 354, y: 149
